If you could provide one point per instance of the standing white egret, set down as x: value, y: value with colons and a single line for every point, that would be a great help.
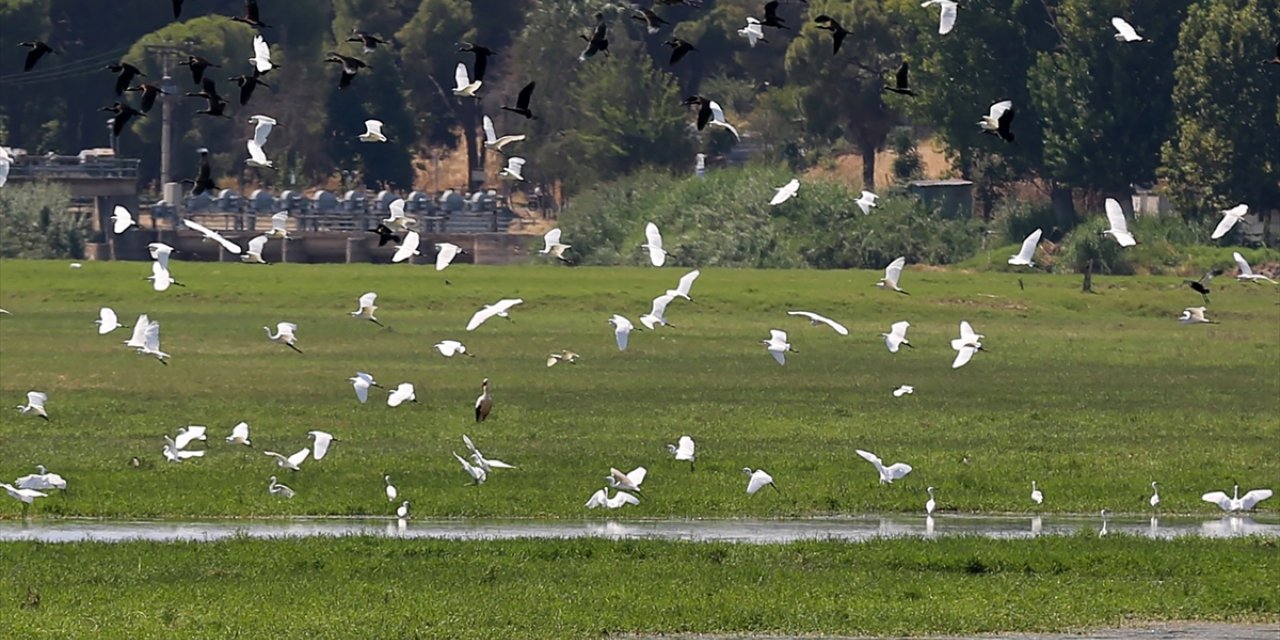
x: 1125, y: 31
x: 365, y: 308
x: 278, y: 490
x: 1195, y: 315
x: 484, y: 402
x: 817, y: 320
x: 261, y: 131
x: 463, y: 86
x: 391, y: 490
x: 892, y: 274
x: 1118, y: 227
x: 888, y: 474
x: 121, y: 220
x: 402, y: 512
x: 108, y: 321
x: 653, y: 242
x: 499, y: 309
x: 41, y: 480
x: 478, y: 474
x: 514, y: 169
x: 285, y: 334
x: 491, y: 139
x: 210, y: 234
x: 946, y: 14
x: 966, y: 345
x: 451, y: 348
x: 408, y: 247
x: 401, y: 394
x: 657, y: 313
x: 552, y: 245
x: 279, y: 226
x: 753, y: 32
x: 487, y: 464
x: 866, y: 202
x: 904, y: 390
x: 683, y: 289
x: 1246, y: 272
x: 931, y: 504
x: 622, y: 329
x: 628, y: 481
x: 34, y: 405
x: 777, y: 346
x: 322, y: 440
x: 785, y: 192
x: 1027, y: 252
x: 1154, y: 500
x: 445, y: 253
x: 292, y: 462
x: 1037, y: 496
x: 1229, y: 219
x: 897, y: 336
x: 253, y: 254
x: 372, y: 132
x: 758, y: 479
x: 1237, y: 502
x: 684, y: 451
x: 190, y: 433
x: 601, y: 499
x: 240, y: 435
x: 1103, y: 530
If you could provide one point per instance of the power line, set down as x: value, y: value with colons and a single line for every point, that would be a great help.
x: 72, y: 69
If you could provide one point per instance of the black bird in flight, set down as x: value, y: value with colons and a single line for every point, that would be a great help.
x: 902, y: 81
x: 1201, y: 286
x: 999, y: 120
x: 247, y: 84
x: 651, y: 20
x: 704, y: 109
x: 599, y: 40
x: 482, y: 54
x: 367, y: 40
x: 522, y: 102
x: 149, y: 94
x: 838, y: 33
x: 124, y: 113
x: 678, y: 49
x: 251, y: 16
x: 177, y: 9
x: 217, y: 104
x: 198, y: 66
x: 204, y: 180
x: 385, y: 235
x: 127, y: 73
x: 771, y: 18
x: 350, y: 67
x: 38, y: 49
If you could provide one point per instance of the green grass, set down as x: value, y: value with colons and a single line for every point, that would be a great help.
x: 1094, y: 396
x: 374, y: 588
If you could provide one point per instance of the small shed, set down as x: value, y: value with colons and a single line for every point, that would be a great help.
x: 952, y: 198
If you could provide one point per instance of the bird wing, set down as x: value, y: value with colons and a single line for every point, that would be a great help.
x: 257, y: 244
x: 36, y: 398
x: 139, y: 331
x: 122, y: 219
x: 107, y: 320
x: 1115, y: 216
x: 255, y: 152
x: 899, y: 329
x: 498, y: 464
x: 297, y: 458
x: 685, y: 448
x: 785, y: 192
x: 151, y: 339
x: 505, y: 304
x: 261, y: 54
x: 515, y: 165
x: 407, y: 248
x: 621, y: 331
x: 160, y: 276
x: 460, y: 78
x: 947, y: 18
x: 240, y: 431
x: 1028, y: 250
x: 902, y: 77
x: 652, y: 235
x: 1125, y: 29
x: 192, y: 433
x: 780, y: 356
x: 212, y: 235
x: 551, y: 238
x: 687, y: 280
x: 963, y: 356
x: 1249, y: 500
x: 717, y: 117
x: 660, y: 303
x: 1219, y: 498
x: 758, y: 481
x: 280, y: 221
x: 622, y: 498
x: 870, y: 457
x: 637, y: 475
x: 262, y: 130
x: 479, y: 317
x: 777, y: 335
x: 362, y: 390
x: 445, y: 255
x: 490, y: 134
x: 597, y: 499
x: 322, y: 443
x: 967, y: 334
x: 1240, y: 261
x: 1229, y: 219
x: 897, y: 470
x: 368, y: 300
x: 894, y: 270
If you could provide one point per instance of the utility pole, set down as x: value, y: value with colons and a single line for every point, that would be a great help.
x: 166, y: 55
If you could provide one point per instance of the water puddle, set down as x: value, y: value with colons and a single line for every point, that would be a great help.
x: 745, y: 531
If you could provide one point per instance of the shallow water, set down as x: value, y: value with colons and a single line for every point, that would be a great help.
x: 745, y: 531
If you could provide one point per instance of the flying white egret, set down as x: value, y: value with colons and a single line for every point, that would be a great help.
x: 1125, y: 31
x: 552, y: 245
x: 121, y: 220
x: 499, y: 309
x: 285, y: 334
x: 26, y: 496
x: 372, y: 132
x: 151, y: 343
x: 139, y: 338
x: 931, y: 504
x: 1195, y: 315
x: 160, y: 277
x: 817, y: 320
x: 451, y: 348
x: 777, y: 346
x: 484, y: 402
x: 392, y: 492
x: 279, y: 226
x: 1037, y: 496
x: 291, y: 462
x: 653, y: 242
x: 276, y: 489
x: 1229, y: 219
x: 999, y: 120
x: 897, y: 336
x: 160, y: 252
x: 717, y: 119
x: 683, y: 289
x: 891, y: 275
x: 684, y: 451
x: 401, y: 394
x: 1236, y: 502
x: 322, y: 440
x: 1027, y: 252
x: 361, y: 383
x: 478, y: 474
x: 188, y: 434
x: 1154, y: 500
x: 622, y: 329
x: 626, y: 481
x: 657, y: 313
x: 445, y: 253
x: 366, y: 307
x: 253, y: 254
x: 261, y: 56
x: 563, y: 356
x: 240, y: 435
x: 758, y: 480
x: 904, y: 390
x: 463, y: 87
x: 601, y: 499
x: 785, y: 192
x: 485, y: 463
x: 408, y: 247
x: 212, y: 235
x: 108, y: 322
x: 888, y: 474
x: 397, y: 220
x: 41, y: 480
x: 261, y: 130
x: 867, y: 201
x: 493, y: 141
x: 1246, y: 273
x: 173, y: 453
x: 753, y: 32
x: 34, y: 405
x: 1119, y: 229
x: 514, y: 169
x: 966, y: 345
x: 946, y: 15
x: 402, y: 512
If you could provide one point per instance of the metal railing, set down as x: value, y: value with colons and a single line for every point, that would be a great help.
x: 73, y: 168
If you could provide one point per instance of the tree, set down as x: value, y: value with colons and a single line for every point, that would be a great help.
x: 428, y: 59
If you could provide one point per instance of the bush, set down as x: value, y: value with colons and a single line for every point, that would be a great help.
x: 1018, y: 218
x: 35, y: 223
x: 1086, y: 243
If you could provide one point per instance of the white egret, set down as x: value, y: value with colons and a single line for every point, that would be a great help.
x: 261, y: 56
x: 684, y: 451
x: 6, y: 161
x: 785, y: 192
x: 26, y: 496
x: 279, y: 226
x: 240, y: 435
x: 365, y: 308
x: 173, y: 453
x: 34, y: 405
x: 683, y: 289
x: 966, y: 345
x: 361, y: 383
x: 891, y: 275
x: 1246, y: 272
x: 758, y: 480
x: 1229, y: 219
x: 121, y: 220
x: 402, y: 512
x: 657, y: 313
x: 904, y: 390
x: 408, y: 247
x: 931, y: 504
x: 478, y: 474
x: 777, y: 346
x: 717, y: 119
x: 888, y: 474
x: 398, y: 220
x: 514, y: 169
x: 1195, y: 315
x: 753, y: 32
x: 1125, y: 31
x: 445, y: 253
x: 139, y: 338
x: 463, y: 87
x: 41, y: 480
x: 160, y: 277
x: 627, y: 481
x: 108, y: 321
x: 372, y: 132
x: 285, y: 334
x: 391, y: 490
x: 151, y: 343
x: 1237, y: 502
x: 1103, y: 530
x: 210, y: 234
x: 485, y: 463
x: 493, y: 141
x: 253, y: 254
x: 451, y: 348
x: 653, y: 242
x: 817, y: 320
x: 564, y: 356
x: 552, y: 245
x: 499, y: 309
x: 1119, y: 228
x: 188, y: 434
x: 946, y: 14
x: 484, y: 402
x: 292, y: 462
x: 897, y: 336
x: 1154, y: 500
x: 601, y: 499
x: 999, y: 120
x: 276, y: 489
x: 867, y: 201
x: 261, y: 131
x: 160, y: 252
x: 401, y: 394
x: 1027, y: 252
x: 1037, y: 496
x: 622, y: 329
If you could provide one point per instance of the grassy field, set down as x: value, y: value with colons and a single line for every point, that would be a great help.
x: 370, y: 588
x: 1093, y: 396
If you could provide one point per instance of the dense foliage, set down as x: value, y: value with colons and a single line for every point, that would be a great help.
x: 35, y: 222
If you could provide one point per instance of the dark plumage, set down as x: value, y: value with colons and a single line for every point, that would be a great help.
x: 838, y: 33
x: 368, y: 41
x: 350, y: 67
x: 204, y: 180
x: 385, y: 234
x: 771, y: 18
x: 902, y: 81
x: 482, y: 58
x: 251, y: 16
x: 177, y: 8
x: 247, y: 85
x: 149, y: 94
x: 124, y: 113
x: 522, y: 102
x: 1201, y: 286
x: 704, y: 109
x: 599, y: 40
x: 38, y: 49
x: 217, y: 104
x: 651, y: 20
x: 126, y: 73
x: 198, y: 66
x: 678, y: 49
